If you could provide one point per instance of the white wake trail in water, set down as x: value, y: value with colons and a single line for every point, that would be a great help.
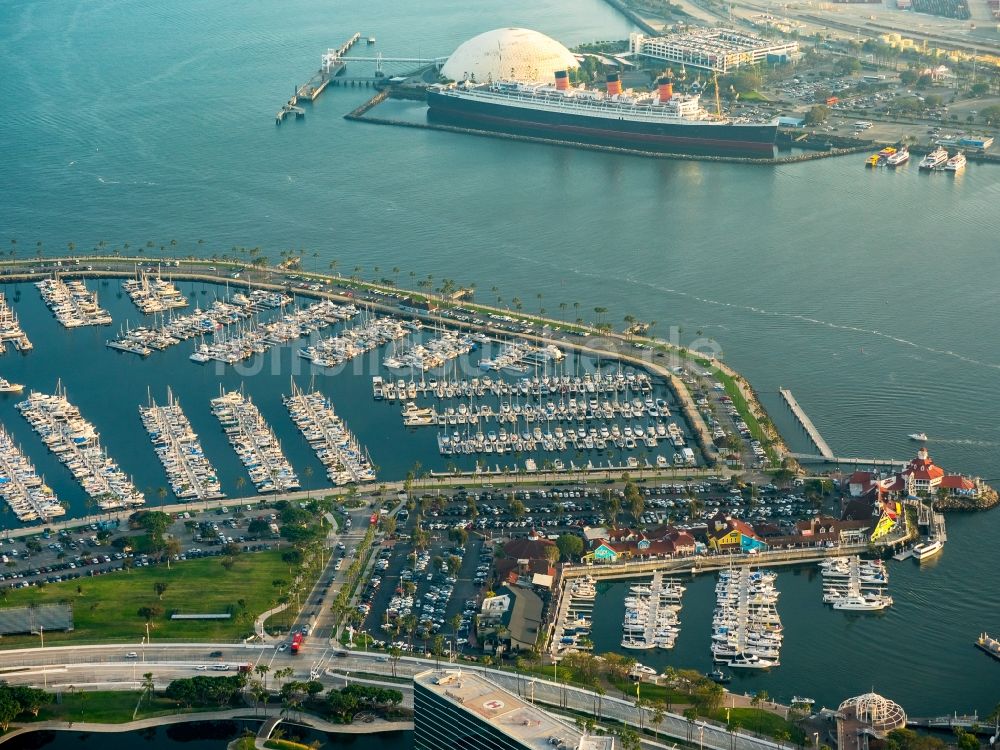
x: 771, y: 313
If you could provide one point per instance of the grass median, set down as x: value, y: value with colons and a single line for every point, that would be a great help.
x: 109, y: 707
x: 107, y: 608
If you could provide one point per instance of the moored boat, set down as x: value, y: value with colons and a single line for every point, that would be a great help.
x: 926, y: 550
x: 899, y: 158
x: 658, y: 121
x: 956, y: 163
x: 934, y: 159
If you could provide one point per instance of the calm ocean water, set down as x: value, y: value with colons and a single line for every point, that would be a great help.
x: 870, y: 294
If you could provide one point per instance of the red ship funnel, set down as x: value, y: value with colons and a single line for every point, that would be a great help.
x: 614, y: 84
x: 562, y: 80
x: 666, y: 87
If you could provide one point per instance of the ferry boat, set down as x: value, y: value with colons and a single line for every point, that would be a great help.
x: 988, y: 644
x: 881, y: 158
x: 955, y: 163
x: 658, y: 121
x: 926, y: 550
x: 934, y: 159
x: 901, y: 156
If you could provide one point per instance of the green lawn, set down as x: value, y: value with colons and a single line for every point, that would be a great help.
x: 107, y: 707
x: 106, y: 607
x: 762, y: 722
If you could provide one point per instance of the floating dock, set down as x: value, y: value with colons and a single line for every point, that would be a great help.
x: 807, y: 424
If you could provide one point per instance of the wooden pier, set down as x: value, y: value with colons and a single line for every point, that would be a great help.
x: 815, y: 458
x: 806, y: 423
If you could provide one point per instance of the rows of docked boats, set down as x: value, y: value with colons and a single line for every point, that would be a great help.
x: 153, y: 294
x: 746, y: 627
x: 144, y: 340
x: 371, y: 333
x: 521, y: 357
x: 10, y: 328
x: 629, y: 383
x: 431, y: 354
x: 652, y: 614
x: 938, y: 160
x: 254, y: 442
x: 534, y: 438
x: 856, y: 585
x: 189, y: 472
x: 336, y: 446
x: 24, y: 491
x: 76, y: 443
x: 253, y: 338
x: 72, y: 303
x: 563, y: 410
x: 575, y: 619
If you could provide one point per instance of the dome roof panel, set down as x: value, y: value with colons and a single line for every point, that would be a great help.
x: 511, y: 53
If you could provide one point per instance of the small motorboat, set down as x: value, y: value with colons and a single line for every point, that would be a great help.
x: 719, y: 677
x: 920, y: 437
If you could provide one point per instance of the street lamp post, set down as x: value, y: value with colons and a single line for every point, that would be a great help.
x: 701, y: 738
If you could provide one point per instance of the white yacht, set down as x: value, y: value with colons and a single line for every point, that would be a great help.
x: 928, y: 549
x: 7, y: 387
x: 863, y: 603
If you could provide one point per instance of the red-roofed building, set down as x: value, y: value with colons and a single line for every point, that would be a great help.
x: 623, y: 543
x: 921, y: 475
x: 957, y: 483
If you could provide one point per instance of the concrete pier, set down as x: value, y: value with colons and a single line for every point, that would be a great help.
x: 807, y: 425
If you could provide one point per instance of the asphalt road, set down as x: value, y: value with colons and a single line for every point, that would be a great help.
x: 110, y: 667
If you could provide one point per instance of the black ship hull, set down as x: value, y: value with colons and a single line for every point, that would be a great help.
x: 666, y: 137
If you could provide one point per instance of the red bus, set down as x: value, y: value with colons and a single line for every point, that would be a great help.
x: 297, y: 642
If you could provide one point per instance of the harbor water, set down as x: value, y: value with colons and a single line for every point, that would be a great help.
x: 869, y: 293
x: 200, y: 735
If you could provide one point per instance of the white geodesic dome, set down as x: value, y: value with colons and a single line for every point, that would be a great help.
x: 509, y: 54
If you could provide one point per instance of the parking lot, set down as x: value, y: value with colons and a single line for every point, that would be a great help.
x: 90, y: 550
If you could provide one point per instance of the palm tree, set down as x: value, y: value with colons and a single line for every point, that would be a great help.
x: 241, y: 482
x: 262, y: 670
x: 308, y: 474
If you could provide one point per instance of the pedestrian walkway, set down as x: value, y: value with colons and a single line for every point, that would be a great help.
x: 274, y: 714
